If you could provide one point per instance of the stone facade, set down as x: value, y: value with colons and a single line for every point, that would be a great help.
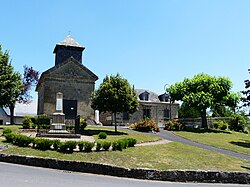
x: 70, y: 77
x: 151, y: 105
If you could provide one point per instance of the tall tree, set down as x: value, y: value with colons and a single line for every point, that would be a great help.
x: 10, y: 84
x: 202, y: 92
x: 115, y: 94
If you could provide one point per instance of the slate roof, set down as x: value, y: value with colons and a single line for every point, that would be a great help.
x: 153, y: 97
x: 69, y: 41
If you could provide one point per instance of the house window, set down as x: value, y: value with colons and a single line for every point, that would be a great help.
x: 146, y: 113
x: 125, y: 116
x: 144, y: 96
x: 166, y: 114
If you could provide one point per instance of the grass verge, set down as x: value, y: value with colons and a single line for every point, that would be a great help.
x: 163, y: 157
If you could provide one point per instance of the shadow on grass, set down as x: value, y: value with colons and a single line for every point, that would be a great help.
x: 244, y: 143
x: 245, y: 167
x: 206, y: 131
x: 91, y: 132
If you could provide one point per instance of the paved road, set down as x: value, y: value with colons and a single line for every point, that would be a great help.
x: 172, y: 137
x: 12, y: 175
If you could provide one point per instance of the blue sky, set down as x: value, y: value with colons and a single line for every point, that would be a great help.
x: 149, y: 42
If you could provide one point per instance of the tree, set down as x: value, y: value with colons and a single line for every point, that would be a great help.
x: 246, y: 93
x: 202, y: 92
x: 115, y: 95
x: 188, y: 112
x: 30, y: 78
x: 10, y: 84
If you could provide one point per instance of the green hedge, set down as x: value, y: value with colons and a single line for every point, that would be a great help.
x: 68, y: 146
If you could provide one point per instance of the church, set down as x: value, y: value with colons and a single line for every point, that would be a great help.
x: 69, y: 77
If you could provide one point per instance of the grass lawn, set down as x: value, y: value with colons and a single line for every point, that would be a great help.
x: 230, y: 140
x: 167, y: 156
x: 112, y: 135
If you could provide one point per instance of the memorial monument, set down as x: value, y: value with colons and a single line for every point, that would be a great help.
x: 58, y: 118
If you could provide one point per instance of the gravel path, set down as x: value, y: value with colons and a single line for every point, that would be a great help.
x: 173, y: 137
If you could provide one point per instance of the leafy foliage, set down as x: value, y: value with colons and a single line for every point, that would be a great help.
x: 145, y: 125
x: 174, y: 125
x: 115, y: 94
x: 246, y: 93
x: 220, y: 125
x: 27, y: 122
x: 10, y: 84
x: 30, y: 78
x: 202, y: 92
x: 102, y: 135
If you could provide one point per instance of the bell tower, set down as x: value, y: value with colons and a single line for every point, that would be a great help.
x: 66, y: 49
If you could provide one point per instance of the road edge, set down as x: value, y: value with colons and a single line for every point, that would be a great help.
x: 199, y: 176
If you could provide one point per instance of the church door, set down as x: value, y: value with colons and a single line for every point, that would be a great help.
x: 70, y: 108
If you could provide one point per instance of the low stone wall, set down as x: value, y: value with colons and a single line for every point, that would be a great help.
x: 167, y: 175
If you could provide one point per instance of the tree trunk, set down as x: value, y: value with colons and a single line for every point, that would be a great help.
x: 12, y: 114
x: 204, y: 118
x: 115, y: 121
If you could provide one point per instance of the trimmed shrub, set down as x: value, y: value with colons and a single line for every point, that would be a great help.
x: 81, y: 145
x: 106, y: 145
x: 89, y: 146
x: 43, y: 144
x: 98, y: 146
x: 9, y: 137
x: 56, y: 144
x: 7, y: 131
x: 131, y: 142
x: 68, y: 146
x: 27, y: 122
x: 114, y: 145
x: 145, y: 125
x: 102, y: 135
x: 22, y: 140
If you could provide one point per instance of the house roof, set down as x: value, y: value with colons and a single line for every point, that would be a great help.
x: 153, y: 97
x: 68, y: 41
x: 23, y: 109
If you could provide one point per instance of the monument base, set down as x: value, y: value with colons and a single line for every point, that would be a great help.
x: 55, y: 135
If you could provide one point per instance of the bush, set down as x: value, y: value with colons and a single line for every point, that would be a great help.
x: 89, y: 146
x: 7, y: 131
x: 98, y: 146
x: 145, y: 125
x: 43, y: 121
x: 43, y: 144
x: 56, y: 144
x: 81, y: 145
x: 27, y: 122
x: 220, y: 125
x: 68, y: 146
x: 22, y: 140
x: 131, y: 142
x: 106, y: 145
x: 237, y: 123
x: 120, y: 144
x: 83, y: 123
x: 175, y: 124
x: 102, y: 135
x: 9, y: 137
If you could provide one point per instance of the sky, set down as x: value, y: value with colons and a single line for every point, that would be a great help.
x: 152, y: 43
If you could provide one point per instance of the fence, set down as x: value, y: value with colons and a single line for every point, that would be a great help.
x: 44, y: 123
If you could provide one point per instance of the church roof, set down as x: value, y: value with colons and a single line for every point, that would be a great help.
x: 69, y: 41
x: 69, y: 60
